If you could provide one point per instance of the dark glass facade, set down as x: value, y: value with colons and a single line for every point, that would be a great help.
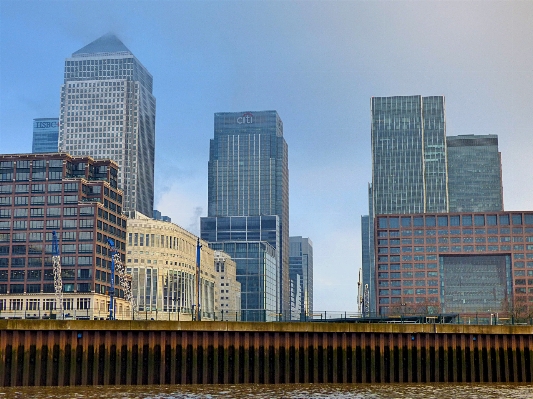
x: 467, y: 262
x: 474, y: 174
x: 248, y: 176
x: 78, y: 198
x: 253, y: 242
x: 408, y: 154
x: 301, y: 264
x: 45, y: 133
x: 367, y: 251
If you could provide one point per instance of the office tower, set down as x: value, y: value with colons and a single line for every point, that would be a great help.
x: 367, y: 259
x: 474, y: 173
x: 408, y: 165
x: 158, y: 216
x: 455, y: 263
x: 408, y: 154
x: 161, y: 258
x: 45, y: 132
x: 77, y: 197
x: 248, y: 176
x: 301, y: 274
x: 253, y: 243
x: 108, y: 111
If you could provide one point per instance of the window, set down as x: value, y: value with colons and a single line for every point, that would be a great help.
x: 406, y: 222
x: 21, y: 201
x: 38, y: 200
x: 22, y: 188
x: 21, y: 213
x: 491, y: 220
x: 69, y: 236
x: 69, y: 223
x: 36, y: 212
x: 71, y: 199
x: 70, y: 211
x: 5, y: 213
x: 467, y: 220
x: 20, y: 225
x: 52, y: 224
x: 36, y: 224
x: 504, y: 220
x: 479, y: 220
x: 85, y: 248
x: 71, y: 187
x: 54, y: 199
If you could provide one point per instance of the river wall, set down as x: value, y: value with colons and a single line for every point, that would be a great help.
x: 69, y: 353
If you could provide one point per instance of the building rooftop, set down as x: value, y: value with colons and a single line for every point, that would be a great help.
x: 108, y: 43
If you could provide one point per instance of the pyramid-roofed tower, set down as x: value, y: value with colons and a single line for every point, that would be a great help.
x: 108, y: 43
x: 108, y: 111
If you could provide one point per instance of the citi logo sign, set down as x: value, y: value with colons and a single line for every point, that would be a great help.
x: 247, y: 117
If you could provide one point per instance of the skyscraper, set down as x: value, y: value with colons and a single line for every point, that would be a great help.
x: 409, y: 173
x: 248, y: 175
x: 301, y: 264
x: 474, y: 173
x: 416, y: 169
x: 108, y: 111
x: 409, y: 154
x: 45, y: 132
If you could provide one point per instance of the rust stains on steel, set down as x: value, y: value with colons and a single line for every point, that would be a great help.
x: 59, y: 353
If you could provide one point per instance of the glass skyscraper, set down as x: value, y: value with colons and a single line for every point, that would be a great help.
x: 301, y: 264
x: 409, y: 154
x: 416, y: 169
x: 45, y: 132
x: 253, y: 242
x: 108, y: 111
x: 474, y: 174
x: 248, y: 176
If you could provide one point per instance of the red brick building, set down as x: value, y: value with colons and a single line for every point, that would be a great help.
x: 77, y: 197
x: 460, y: 263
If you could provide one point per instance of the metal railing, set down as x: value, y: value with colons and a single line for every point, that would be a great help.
x: 186, y: 314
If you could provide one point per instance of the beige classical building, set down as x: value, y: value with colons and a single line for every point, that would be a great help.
x: 161, y: 258
x: 229, y: 287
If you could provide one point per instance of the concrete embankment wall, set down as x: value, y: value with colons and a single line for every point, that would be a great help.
x: 50, y: 353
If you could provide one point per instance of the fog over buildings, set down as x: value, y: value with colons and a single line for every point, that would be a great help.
x: 318, y: 64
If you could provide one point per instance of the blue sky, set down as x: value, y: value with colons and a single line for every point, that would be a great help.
x: 317, y: 63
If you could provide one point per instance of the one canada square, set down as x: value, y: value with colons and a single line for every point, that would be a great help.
x: 248, y: 189
x: 108, y: 111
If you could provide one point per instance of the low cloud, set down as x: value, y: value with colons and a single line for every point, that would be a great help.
x: 183, y: 205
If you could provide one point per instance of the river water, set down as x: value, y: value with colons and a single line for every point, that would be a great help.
x: 293, y: 391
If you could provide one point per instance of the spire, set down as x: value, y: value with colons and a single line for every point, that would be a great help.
x: 108, y: 43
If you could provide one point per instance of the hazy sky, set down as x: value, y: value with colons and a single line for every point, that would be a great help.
x: 317, y: 63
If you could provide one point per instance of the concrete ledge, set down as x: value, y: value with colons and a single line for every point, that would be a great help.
x: 282, y: 327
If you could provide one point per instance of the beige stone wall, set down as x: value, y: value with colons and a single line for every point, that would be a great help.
x: 230, y: 288
x: 163, y: 270
x: 81, y: 306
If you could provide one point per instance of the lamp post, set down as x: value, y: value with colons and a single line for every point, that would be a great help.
x: 198, y: 280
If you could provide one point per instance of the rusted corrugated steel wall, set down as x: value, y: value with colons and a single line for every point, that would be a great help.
x: 225, y: 353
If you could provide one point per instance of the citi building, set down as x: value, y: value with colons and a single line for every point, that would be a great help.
x: 248, y: 176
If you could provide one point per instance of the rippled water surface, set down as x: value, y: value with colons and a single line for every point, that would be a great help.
x: 341, y: 391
